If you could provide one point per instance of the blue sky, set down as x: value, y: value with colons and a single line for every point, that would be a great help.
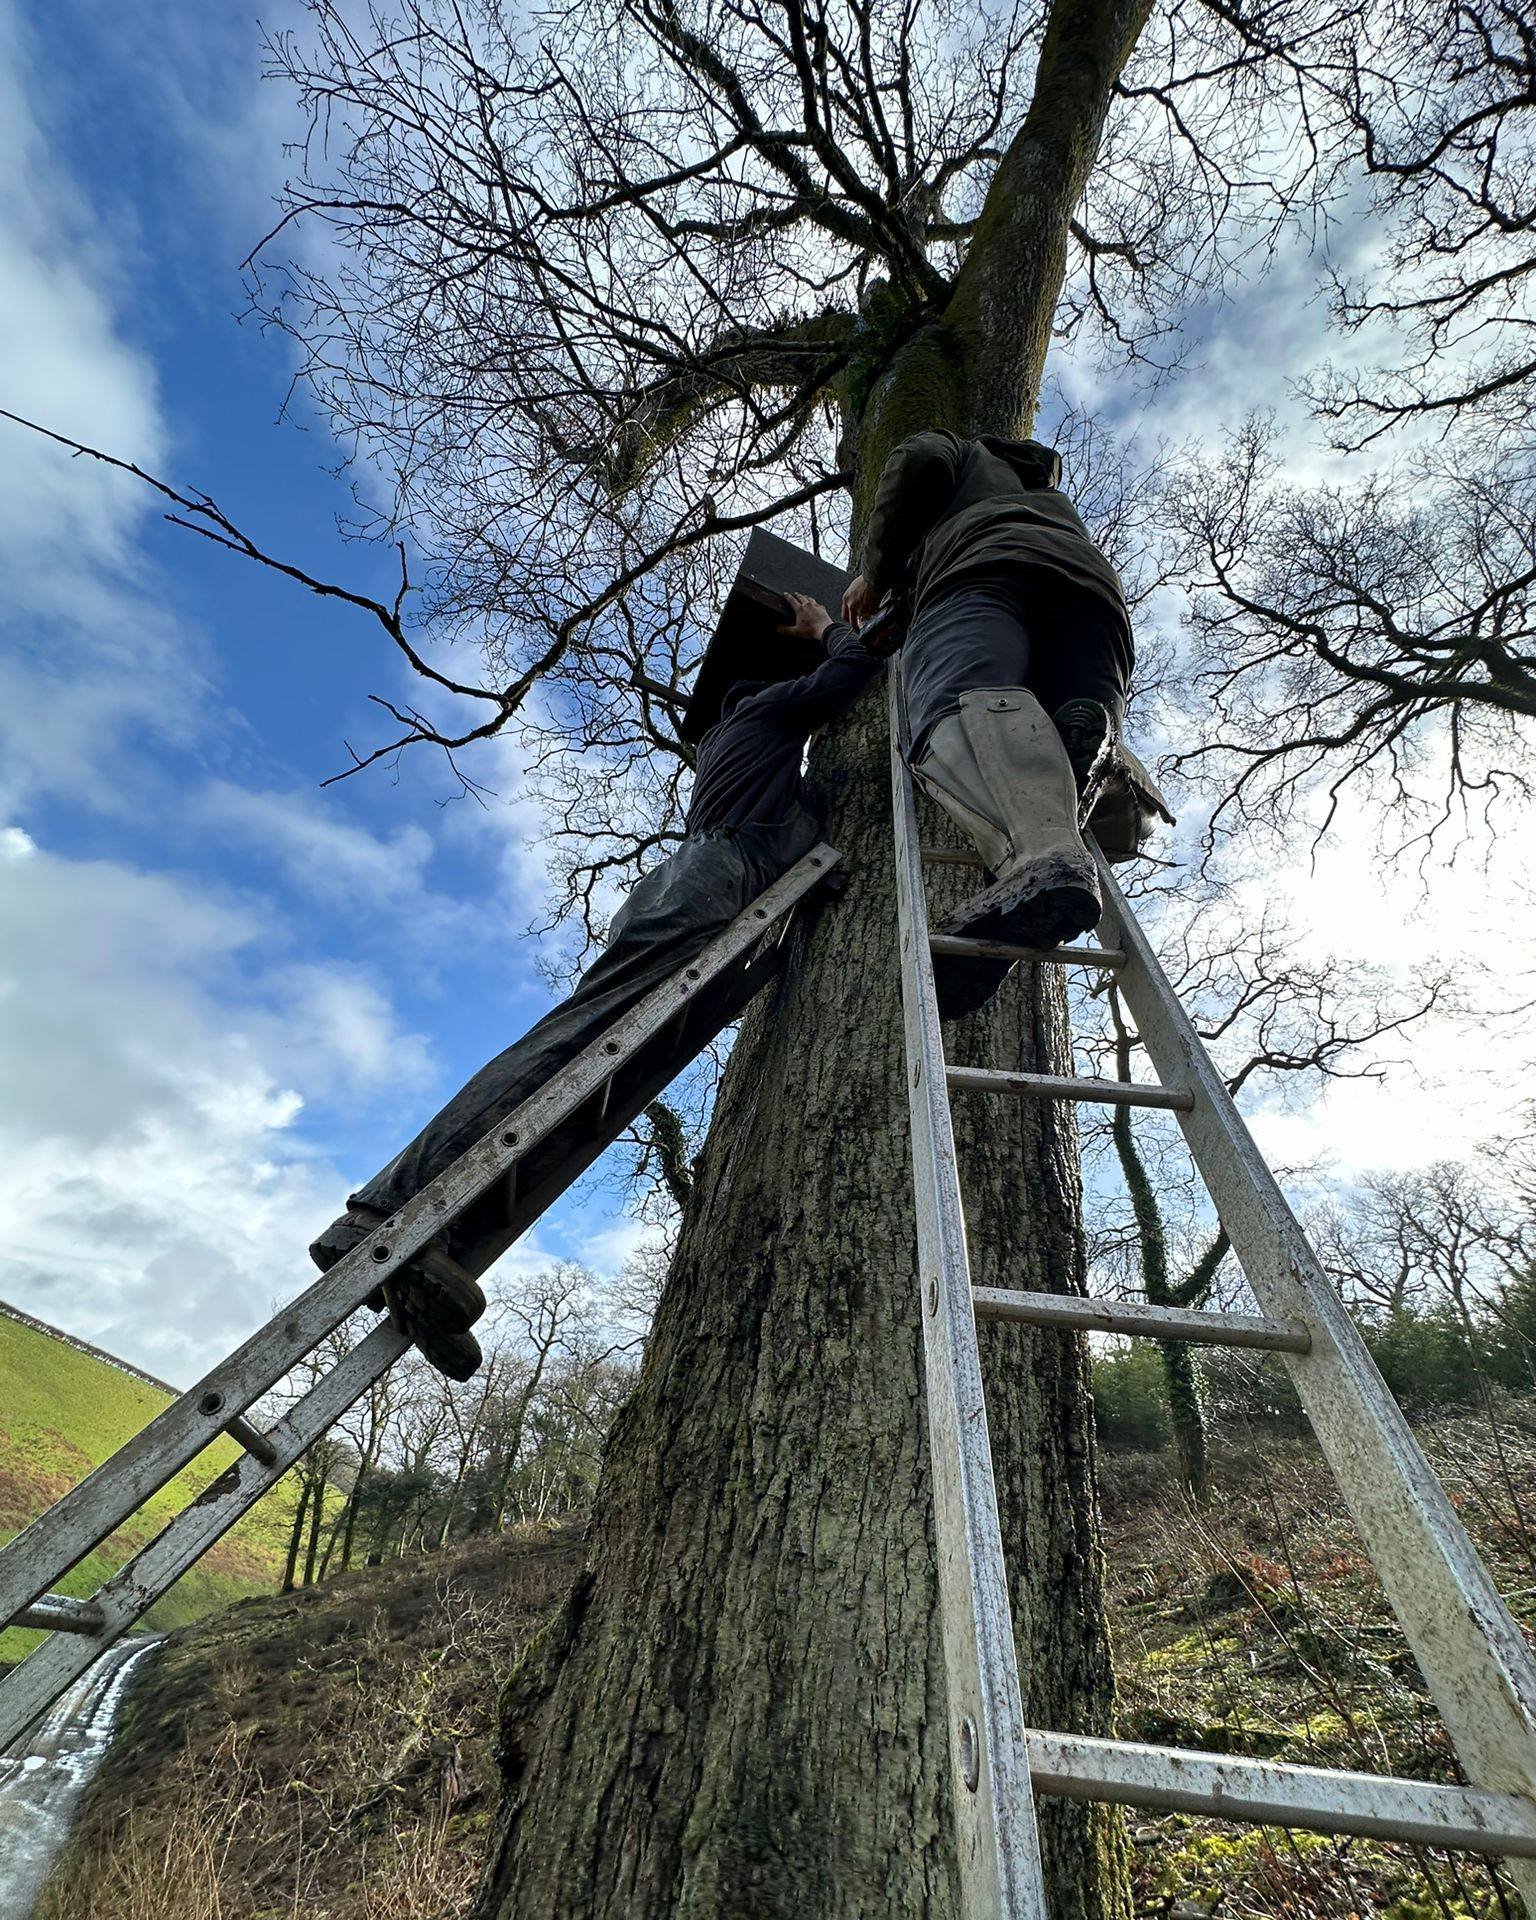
x: 230, y: 992
x: 227, y: 992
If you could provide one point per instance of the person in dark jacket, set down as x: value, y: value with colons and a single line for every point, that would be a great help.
x: 1015, y: 670
x: 747, y: 823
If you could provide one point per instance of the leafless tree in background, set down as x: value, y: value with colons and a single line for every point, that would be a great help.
x: 1375, y: 636
x: 1371, y: 638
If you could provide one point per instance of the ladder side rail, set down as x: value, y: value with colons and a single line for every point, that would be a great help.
x: 1473, y: 1656
x: 1272, y: 1793
x: 44, y: 1551
x: 30, y: 1689
x: 639, y: 1081
x: 998, y: 1842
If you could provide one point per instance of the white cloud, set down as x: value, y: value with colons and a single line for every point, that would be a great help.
x: 93, y: 662
x: 1462, y: 1073
x: 317, y: 848
x: 164, y: 1042
x: 157, y: 1069
x: 606, y: 1249
x: 65, y: 361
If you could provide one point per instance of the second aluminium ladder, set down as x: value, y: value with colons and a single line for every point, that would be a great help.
x: 539, y: 1150
x: 1473, y: 1657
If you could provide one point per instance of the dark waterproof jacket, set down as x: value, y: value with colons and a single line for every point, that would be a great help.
x: 967, y: 509
x: 748, y: 768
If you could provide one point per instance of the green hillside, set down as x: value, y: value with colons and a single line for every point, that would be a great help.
x: 62, y: 1411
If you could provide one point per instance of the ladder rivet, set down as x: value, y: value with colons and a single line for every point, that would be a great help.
x: 211, y: 1403
x: 509, y: 1139
x: 610, y: 1046
x: 381, y: 1252
x: 970, y: 1754
x: 760, y: 913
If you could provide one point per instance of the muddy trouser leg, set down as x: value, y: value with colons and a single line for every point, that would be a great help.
x: 669, y: 917
x: 974, y: 636
x: 1028, y: 629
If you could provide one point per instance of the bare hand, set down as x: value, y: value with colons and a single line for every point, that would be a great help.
x: 860, y: 602
x: 811, y: 617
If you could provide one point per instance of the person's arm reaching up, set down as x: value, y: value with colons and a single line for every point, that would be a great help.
x: 832, y: 688
x: 916, y: 485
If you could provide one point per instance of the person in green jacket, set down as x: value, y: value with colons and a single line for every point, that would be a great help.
x: 1015, y: 669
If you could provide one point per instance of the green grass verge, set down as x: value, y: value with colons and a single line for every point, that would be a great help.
x: 62, y: 1412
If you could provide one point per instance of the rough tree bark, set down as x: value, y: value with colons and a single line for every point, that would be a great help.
x: 741, y: 1710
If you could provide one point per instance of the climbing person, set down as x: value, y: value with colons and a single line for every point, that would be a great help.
x: 1015, y: 668
x: 747, y: 823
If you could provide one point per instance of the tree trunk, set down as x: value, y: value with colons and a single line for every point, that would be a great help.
x: 1181, y: 1377
x: 1181, y: 1372
x: 296, y: 1535
x: 514, y: 1446
x: 354, y: 1501
x: 1186, y: 1415
x: 741, y: 1709
x: 316, y: 1514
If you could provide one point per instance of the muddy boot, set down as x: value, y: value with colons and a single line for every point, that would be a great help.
x: 1000, y: 769
x: 1088, y: 734
x: 432, y: 1300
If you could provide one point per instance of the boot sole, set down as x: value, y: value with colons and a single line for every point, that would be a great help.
x: 455, y: 1353
x: 1044, y: 904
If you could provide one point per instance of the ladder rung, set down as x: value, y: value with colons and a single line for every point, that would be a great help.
x: 1271, y: 1793
x: 1052, y: 1086
x: 59, y: 1613
x: 1136, y: 1317
x: 1109, y: 958
x: 253, y: 1440
x: 951, y: 857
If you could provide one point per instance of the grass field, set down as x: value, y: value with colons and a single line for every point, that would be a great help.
x: 61, y: 1413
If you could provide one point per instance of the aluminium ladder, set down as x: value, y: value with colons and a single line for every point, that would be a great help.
x: 1469, y: 1649
x: 539, y: 1150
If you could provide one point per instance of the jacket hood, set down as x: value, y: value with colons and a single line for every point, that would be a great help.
x: 1036, y: 464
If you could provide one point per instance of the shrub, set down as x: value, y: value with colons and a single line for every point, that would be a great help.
x: 1130, y: 1406
x: 1425, y: 1358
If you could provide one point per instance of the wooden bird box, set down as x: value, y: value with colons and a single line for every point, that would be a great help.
x: 746, y: 644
